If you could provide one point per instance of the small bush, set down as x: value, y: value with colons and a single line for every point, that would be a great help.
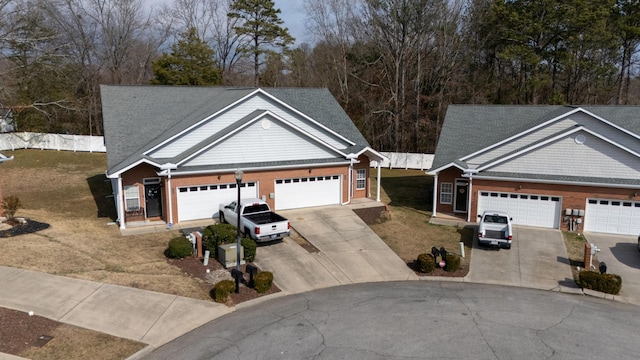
x: 11, y: 204
x: 452, y: 262
x: 263, y: 281
x: 250, y: 248
x: 179, y: 247
x: 606, y: 283
x: 425, y: 263
x: 223, y: 290
x: 218, y: 234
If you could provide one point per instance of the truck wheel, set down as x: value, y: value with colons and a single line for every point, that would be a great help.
x: 246, y: 233
x: 222, y: 218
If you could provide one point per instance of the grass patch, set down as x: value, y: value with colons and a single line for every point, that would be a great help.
x: 408, y: 231
x: 574, y: 244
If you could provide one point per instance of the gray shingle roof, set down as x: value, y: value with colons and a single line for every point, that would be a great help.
x: 137, y: 118
x: 469, y: 128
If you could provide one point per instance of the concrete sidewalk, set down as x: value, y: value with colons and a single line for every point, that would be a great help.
x: 350, y: 252
x: 149, y: 317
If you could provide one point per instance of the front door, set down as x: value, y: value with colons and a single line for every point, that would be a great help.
x: 461, y: 196
x: 153, y: 200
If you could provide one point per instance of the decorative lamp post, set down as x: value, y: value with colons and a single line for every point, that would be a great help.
x: 238, y: 183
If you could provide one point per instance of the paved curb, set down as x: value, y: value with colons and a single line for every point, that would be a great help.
x: 141, y: 353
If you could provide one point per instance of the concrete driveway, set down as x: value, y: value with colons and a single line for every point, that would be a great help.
x: 350, y: 252
x: 537, y: 259
x: 621, y: 255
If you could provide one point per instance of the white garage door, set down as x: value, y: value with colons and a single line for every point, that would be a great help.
x: 525, y: 209
x: 308, y: 191
x: 612, y: 216
x: 201, y: 202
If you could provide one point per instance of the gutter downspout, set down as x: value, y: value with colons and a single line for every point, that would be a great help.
x: 120, y: 203
x: 378, y: 187
x: 435, y: 194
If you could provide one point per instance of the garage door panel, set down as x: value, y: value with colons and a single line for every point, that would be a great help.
x: 307, y: 191
x: 202, y: 201
x: 532, y: 210
x: 612, y: 216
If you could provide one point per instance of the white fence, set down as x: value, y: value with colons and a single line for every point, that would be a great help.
x: 405, y: 161
x: 28, y: 140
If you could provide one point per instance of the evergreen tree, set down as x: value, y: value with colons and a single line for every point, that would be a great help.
x: 261, y: 26
x: 191, y: 62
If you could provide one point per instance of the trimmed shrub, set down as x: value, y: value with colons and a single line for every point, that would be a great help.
x: 250, y: 248
x: 606, y: 283
x: 218, y: 234
x: 264, y: 281
x: 425, y: 263
x: 452, y: 262
x: 11, y: 204
x: 179, y: 247
x: 223, y: 290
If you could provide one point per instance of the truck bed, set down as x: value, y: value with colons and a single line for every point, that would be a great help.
x: 264, y: 218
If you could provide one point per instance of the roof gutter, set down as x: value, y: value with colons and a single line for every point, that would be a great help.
x: 548, y: 181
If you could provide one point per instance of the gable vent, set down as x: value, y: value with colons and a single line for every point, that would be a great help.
x: 580, y: 139
x: 266, y: 124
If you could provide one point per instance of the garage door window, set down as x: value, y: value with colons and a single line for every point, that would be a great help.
x: 361, y: 179
x: 132, y: 198
x: 446, y: 193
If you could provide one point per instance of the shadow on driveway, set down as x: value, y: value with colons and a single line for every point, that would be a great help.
x: 626, y: 253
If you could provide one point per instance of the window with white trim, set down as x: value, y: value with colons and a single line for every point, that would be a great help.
x: 446, y: 193
x: 131, y: 198
x: 361, y: 179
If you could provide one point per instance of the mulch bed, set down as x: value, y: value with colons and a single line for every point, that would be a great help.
x: 19, y: 331
x: 462, y: 272
x: 18, y: 228
x: 194, y: 267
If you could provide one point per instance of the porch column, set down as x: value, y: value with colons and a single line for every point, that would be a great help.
x: 120, y: 202
x: 378, y: 187
x: 435, y: 194
x: 170, y: 198
x: 469, y: 196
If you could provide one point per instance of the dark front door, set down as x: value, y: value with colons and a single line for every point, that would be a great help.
x: 461, y: 196
x: 153, y: 199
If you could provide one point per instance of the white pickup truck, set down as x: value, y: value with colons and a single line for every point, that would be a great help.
x: 257, y: 221
x: 495, y: 229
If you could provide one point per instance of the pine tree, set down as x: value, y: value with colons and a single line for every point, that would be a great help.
x: 261, y: 27
x: 191, y: 62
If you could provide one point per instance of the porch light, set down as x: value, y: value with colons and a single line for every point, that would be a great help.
x: 238, y: 183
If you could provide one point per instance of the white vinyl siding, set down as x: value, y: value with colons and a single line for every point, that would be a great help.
x: 131, y: 198
x: 276, y: 143
x: 446, y: 193
x: 612, y: 216
x: 307, y: 192
x: 361, y: 179
x: 525, y: 209
x: 221, y: 121
x: 593, y: 124
x: 593, y: 158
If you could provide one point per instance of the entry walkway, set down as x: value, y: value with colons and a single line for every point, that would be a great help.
x: 350, y: 252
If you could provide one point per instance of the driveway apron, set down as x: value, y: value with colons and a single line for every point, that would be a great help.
x: 621, y: 255
x: 537, y: 259
x: 350, y: 252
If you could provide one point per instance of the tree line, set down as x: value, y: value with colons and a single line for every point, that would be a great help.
x: 394, y: 65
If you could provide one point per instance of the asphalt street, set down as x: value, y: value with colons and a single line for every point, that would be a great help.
x: 418, y: 320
